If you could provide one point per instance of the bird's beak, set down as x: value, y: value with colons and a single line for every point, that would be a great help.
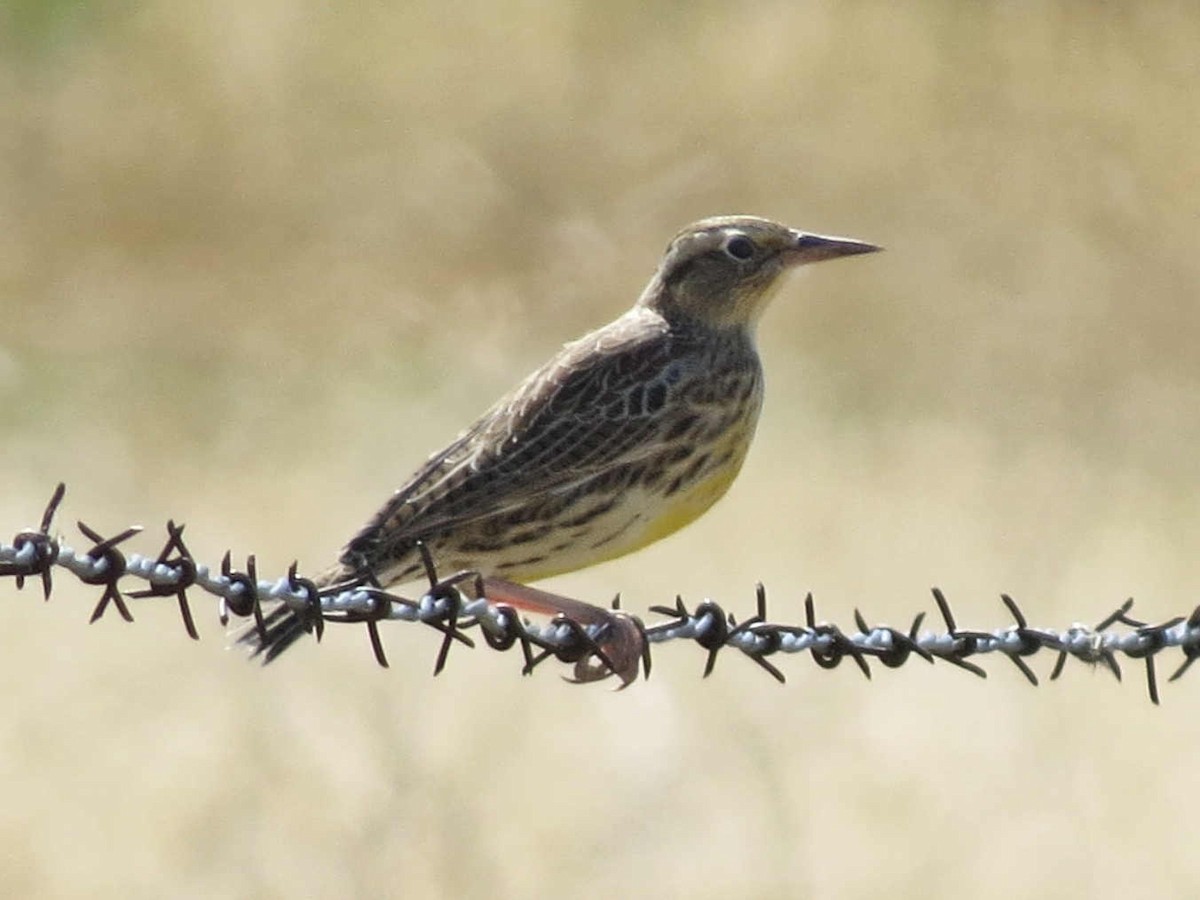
x: 811, y: 248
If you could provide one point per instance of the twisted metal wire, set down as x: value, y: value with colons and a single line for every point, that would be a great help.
x: 597, y: 642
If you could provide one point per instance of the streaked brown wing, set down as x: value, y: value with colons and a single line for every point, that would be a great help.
x: 591, y: 408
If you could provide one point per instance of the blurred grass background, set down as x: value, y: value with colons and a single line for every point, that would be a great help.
x: 257, y: 259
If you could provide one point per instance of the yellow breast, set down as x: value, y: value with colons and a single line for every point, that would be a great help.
x: 654, y: 516
x: 689, y: 504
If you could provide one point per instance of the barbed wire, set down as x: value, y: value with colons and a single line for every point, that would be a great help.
x: 596, y: 642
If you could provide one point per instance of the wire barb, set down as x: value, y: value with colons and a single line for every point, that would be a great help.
x: 178, y: 573
x: 596, y: 642
x: 110, y: 565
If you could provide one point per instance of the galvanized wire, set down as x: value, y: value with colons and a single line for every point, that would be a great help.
x: 597, y: 642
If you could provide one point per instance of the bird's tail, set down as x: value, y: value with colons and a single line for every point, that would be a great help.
x: 283, y: 625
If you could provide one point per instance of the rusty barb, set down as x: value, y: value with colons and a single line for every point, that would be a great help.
x: 596, y: 642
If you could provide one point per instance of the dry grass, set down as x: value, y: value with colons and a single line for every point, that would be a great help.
x: 258, y: 258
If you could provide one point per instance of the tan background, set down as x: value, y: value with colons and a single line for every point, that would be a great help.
x: 258, y: 258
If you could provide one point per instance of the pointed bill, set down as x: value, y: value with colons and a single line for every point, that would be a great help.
x: 810, y: 248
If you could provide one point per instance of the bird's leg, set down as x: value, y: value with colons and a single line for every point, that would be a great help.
x: 620, y: 644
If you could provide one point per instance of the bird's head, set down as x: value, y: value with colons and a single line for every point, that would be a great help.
x: 722, y: 272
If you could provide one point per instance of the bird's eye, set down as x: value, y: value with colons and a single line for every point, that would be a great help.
x: 740, y: 247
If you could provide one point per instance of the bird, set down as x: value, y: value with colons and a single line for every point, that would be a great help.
x: 623, y: 437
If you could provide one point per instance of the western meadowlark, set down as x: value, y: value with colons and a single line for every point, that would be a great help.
x: 625, y: 436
